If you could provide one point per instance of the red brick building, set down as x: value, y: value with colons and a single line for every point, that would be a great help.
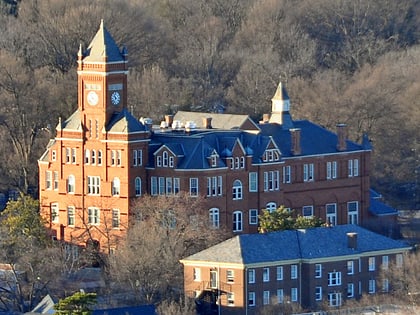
x: 102, y: 158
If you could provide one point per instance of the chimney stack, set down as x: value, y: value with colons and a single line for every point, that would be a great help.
x: 295, y: 141
x: 352, y: 240
x: 169, y: 119
x: 341, y: 137
x: 207, y: 123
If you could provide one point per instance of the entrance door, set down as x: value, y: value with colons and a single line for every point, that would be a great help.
x: 213, y: 279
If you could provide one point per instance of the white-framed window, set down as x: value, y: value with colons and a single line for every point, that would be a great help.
x: 176, y: 185
x: 287, y: 174
x: 279, y: 273
x: 308, y: 172
x: 230, y: 298
x: 318, y: 270
x: 115, y: 218
x: 165, y: 159
x: 251, y: 298
x: 118, y: 157
x: 253, y: 181
x: 280, y: 296
x: 293, y: 272
x: 168, y: 186
x: 237, y: 221
x: 251, y: 275
x: 372, y: 285
x: 352, y: 212
x: 350, y: 290
x: 73, y: 155
x: 253, y: 216
x: 214, y: 218
x: 93, y: 215
x: 137, y: 186
x: 55, y: 180
x: 334, y: 299
x: 55, y: 218
x: 331, y: 213
x: 214, y: 186
x: 271, y: 181
x: 385, y: 262
x: 87, y: 156
x: 99, y: 157
x: 230, y: 276
x: 71, y: 184
x: 385, y: 285
x: 197, y: 274
x: 318, y: 293
x: 399, y: 260
x: 93, y: 157
x: 334, y: 278
x: 271, y: 206
x: 194, y: 187
x: 162, y: 182
x: 308, y: 211
x: 48, y: 180
x: 115, y: 189
x: 353, y: 168
x: 137, y: 157
x: 266, y: 274
x: 171, y: 161
x: 71, y: 216
x: 237, y: 190
x: 153, y: 186
x: 371, y: 263
x: 94, y: 185
x: 271, y: 155
x: 53, y: 155
x: 158, y: 161
x: 350, y: 267
x: 332, y: 170
x: 68, y: 155
x: 294, y: 294
x: 266, y: 297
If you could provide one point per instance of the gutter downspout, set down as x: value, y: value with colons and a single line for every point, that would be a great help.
x: 246, y: 291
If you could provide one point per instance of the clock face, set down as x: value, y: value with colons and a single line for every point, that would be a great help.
x: 92, y: 98
x: 115, y: 98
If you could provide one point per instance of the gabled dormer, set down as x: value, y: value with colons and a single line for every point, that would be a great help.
x: 214, y: 158
x: 280, y: 108
x: 272, y: 152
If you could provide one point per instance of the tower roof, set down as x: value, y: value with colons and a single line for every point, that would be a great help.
x: 103, y: 46
x: 281, y: 93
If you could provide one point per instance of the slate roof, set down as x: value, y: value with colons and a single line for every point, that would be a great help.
x: 74, y: 122
x: 124, y: 122
x: 305, y: 244
x: 219, y: 121
x: 378, y: 208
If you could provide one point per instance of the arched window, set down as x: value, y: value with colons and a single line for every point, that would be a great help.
x: 87, y: 156
x: 214, y: 218
x: 165, y: 159
x: 71, y: 184
x: 237, y: 221
x: 237, y: 190
x: 116, y: 186
x: 271, y: 206
x: 93, y: 157
x: 137, y: 185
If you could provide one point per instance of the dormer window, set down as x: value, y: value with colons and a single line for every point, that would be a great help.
x: 166, y: 159
x: 271, y: 155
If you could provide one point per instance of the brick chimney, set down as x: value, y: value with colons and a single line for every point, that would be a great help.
x: 207, y: 123
x: 341, y: 137
x: 169, y: 119
x: 265, y: 119
x: 295, y: 141
x: 352, y: 240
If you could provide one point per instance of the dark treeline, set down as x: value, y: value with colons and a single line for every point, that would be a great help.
x: 347, y: 61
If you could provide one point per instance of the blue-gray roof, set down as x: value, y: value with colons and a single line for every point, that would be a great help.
x: 124, y: 122
x: 305, y: 244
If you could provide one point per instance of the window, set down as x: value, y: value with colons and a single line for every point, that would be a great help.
x: 334, y: 299
x: 253, y: 181
x: 280, y: 296
x: 237, y: 190
x: 168, y: 185
x: 137, y: 186
x: 331, y: 213
x: 94, y: 185
x: 385, y: 285
x: 93, y: 216
x: 334, y: 278
x: 214, y: 218
x: 350, y: 267
x: 115, y: 218
x: 266, y: 274
x: 294, y: 295
x: 371, y: 286
x: 239, y: 162
x: 115, y: 186
x: 271, y: 206
x: 353, y: 212
x: 271, y: 181
x: 53, y: 155
x: 308, y: 211
x: 353, y: 168
x: 153, y: 186
x: 54, y: 213
x: 68, y: 152
x: 55, y: 180
x: 230, y: 298
x: 73, y: 156
x: 99, y: 157
x: 165, y: 159
x: 332, y: 170
x: 385, y: 262
x: 48, y: 180
x: 71, y: 184
x: 70, y: 216
x: 399, y: 260
x: 194, y: 187
x: 318, y: 293
x: 318, y: 271
x: 287, y: 174
x: 251, y: 298
x: 176, y: 185
x: 251, y: 275
x: 271, y: 155
x: 279, y: 272
x: 214, y: 186
x: 93, y: 157
x: 371, y: 263
x: 293, y: 272
x: 308, y: 172
x: 197, y: 274
x: 253, y: 216
x: 237, y: 221
x: 230, y: 276
x: 350, y: 290
x: 266, y: 297
x: 158, y: 161
x: 137, y: 157
x: 87, y: 156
